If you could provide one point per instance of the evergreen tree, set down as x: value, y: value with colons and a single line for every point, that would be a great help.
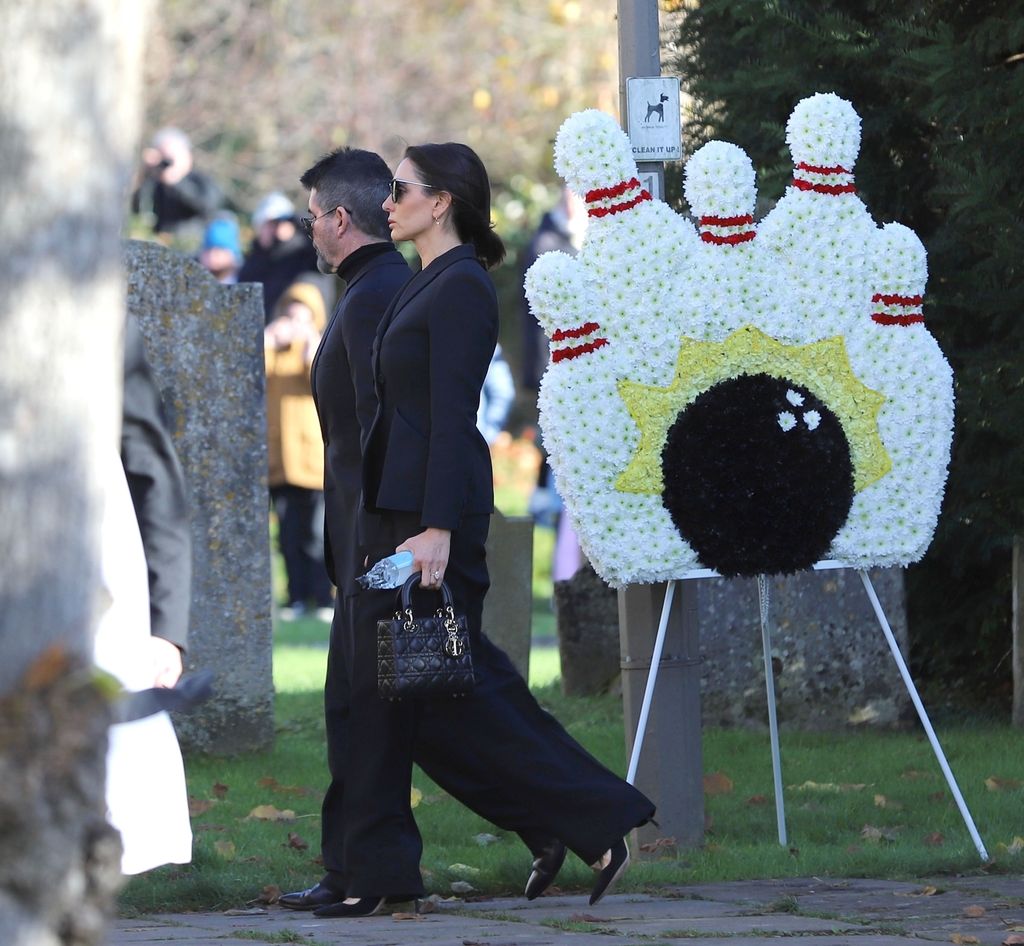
x: 939, y: 85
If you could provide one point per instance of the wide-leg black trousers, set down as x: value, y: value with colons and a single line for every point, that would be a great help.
x: 496, y: 750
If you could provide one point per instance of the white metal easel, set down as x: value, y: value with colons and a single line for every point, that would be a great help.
x: 773, y: 726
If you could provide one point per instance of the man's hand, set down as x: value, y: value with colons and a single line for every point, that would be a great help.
x: 166, y: 659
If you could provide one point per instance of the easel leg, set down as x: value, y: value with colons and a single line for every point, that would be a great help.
x: 923, y: 716
x: 652, y: 678
x: 773, y: 723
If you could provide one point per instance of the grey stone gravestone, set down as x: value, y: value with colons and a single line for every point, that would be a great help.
x: 205, y: 344
x: 508, y: 607
x: 832, y: 666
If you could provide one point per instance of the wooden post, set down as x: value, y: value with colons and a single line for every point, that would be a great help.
x: 1018, y: 632
x: 671, y: 766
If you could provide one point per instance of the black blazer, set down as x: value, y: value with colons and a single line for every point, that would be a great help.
x: 424, y: 453
x: 157, y: 485
x: 342, y: 383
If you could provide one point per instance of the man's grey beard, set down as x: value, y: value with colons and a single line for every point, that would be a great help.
x: 323, y: 266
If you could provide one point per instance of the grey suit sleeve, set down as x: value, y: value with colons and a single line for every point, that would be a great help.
x: 157, y: 486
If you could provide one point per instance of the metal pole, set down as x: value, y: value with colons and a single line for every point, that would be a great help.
x: 773, y: 722
x: 923, y: 716
x: 639, y: 56
x: 652, y: 679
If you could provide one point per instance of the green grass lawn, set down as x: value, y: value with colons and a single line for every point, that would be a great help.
x: 858, y: 804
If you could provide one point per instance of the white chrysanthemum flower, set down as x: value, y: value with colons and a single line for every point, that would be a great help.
x: 719, y: 181
x: 824, y: 131
x: 592, y: 151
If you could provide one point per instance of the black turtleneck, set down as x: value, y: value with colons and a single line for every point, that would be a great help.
x: 356, y: 260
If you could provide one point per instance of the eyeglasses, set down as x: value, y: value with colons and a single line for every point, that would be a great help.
x: 398, y: 187
x: 306, y: 221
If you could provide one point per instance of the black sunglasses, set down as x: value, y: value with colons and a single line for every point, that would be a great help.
x: 398, y: 187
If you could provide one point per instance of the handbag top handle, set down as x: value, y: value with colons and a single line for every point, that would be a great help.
x: 405, y: 595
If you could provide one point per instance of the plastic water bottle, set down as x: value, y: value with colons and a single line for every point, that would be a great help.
x: 390, y: 572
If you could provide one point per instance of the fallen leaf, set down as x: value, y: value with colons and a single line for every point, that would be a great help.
x: 483, y: 839
x: 928, y: 891
x: 1014, y: 939
x: 937, y: 796
x: 268, y: 781
x: 415, y: 797
x: 271, y: 893
x: 913, y: 775
x: 407, y: 916
x: 962, y: 939
x: 270, y: 813
x: 995, y: 784
x: 586, y: 918
x: 198, y: 806
x: 871, y: 833
x: 882, y: 802
x: 219, y: 790
x: 254, y: 911
x: 829, y: 787
x: 794, y: 852
x: 461, y: 886
x: 935, y: 839
x: 296, y: 842
x: 758, y: 800
x: 426, y: 906
x: 974, y: 911
x: 659, y: 844
x: 1016, y: 845
x: 463, y: 869
x: 225, y: 849
x: 717, y: 783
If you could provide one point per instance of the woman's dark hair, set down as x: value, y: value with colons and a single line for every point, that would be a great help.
x: 457, y: 169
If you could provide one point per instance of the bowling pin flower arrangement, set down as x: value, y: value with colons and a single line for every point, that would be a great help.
x: 741, y: 397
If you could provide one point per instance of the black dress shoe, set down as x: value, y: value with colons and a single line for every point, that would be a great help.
x: 364, y: 906
x: 618, y: 861
x: 545, y: 869
x: 316, y: 896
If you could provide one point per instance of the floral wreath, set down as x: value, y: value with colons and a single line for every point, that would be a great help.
x: 749, y: 398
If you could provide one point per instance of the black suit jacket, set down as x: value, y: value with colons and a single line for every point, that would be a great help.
x: 424, y: 453
x: 157, y: 485
x: 342, y: 382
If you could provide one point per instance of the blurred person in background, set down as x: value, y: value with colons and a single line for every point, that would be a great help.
x: 496, y: 397
x: 295, y: 449
x: 280, y: 252
x: 175, y: 197
x: 221, y: 250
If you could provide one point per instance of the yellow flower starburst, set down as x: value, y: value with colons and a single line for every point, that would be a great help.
x: 823, y: 368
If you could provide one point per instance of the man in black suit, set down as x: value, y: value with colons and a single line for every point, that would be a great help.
x: 350, y: 232
x: 157, y: 486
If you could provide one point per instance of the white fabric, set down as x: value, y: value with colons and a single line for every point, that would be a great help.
x: 147, y: 801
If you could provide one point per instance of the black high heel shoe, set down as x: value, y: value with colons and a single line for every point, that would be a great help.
x: 618, y: 861
x: 545, y: 869
x: 364, y: 906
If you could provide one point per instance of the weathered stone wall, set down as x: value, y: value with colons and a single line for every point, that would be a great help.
x: 204, y: 342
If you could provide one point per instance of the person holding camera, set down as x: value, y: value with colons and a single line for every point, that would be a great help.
x: 173, y: 193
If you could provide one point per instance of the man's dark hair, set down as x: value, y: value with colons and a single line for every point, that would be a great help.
x: 356, y: 180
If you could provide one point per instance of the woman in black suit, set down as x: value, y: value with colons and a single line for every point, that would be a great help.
x: 427, y: 487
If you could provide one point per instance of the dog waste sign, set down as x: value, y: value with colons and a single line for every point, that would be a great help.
x: 652, y: 118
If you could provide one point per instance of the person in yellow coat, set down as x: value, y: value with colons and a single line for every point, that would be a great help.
x: 295, y: 449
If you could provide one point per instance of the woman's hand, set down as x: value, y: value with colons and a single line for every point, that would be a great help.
x: 429, y: 555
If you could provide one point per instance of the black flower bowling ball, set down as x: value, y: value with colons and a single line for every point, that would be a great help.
x: 758, y: 476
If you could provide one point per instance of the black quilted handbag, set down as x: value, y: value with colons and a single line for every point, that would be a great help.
x: 425, y: 656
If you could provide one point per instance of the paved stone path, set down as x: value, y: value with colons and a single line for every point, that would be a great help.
x: 988, y: 911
